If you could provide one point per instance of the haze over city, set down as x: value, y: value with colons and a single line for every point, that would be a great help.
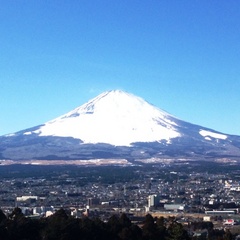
x: 183, y: 57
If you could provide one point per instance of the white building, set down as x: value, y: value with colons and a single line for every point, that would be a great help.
x: 174, y: 207
x: 25, y: 198
x: 153, y: 200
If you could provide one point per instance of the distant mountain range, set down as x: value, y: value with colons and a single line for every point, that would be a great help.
x: 117, y: 125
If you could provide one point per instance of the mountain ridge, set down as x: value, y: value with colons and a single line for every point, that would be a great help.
x: 117, y: 125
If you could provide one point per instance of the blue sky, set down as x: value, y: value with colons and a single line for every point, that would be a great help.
x: 182, y: 56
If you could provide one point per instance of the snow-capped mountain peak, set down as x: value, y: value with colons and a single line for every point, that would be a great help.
x: 115, y: 117
x: 115, y: 100
x: 119, y: 125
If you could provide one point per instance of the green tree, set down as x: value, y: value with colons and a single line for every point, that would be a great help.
x: 149, y: 229
x: 125, y: 221
x: 55, y: 225
x: 3, y: 229
x: 19, y: 227
x: 101, y: 230
x: 228, y: 235
x: 131, y: 233
x: 161, y: 228
x: 71, y: 230
x: 114, y: 226
x: 177, y: 232
x: 16, y: 214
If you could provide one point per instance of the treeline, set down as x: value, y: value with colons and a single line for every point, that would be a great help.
x: 61, y: 226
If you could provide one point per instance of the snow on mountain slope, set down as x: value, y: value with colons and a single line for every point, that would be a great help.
x: 208, y: 134
x: 118, y: 125
x: 113, y: 117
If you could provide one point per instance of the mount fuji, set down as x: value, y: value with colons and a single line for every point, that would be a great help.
x: 118, y: 125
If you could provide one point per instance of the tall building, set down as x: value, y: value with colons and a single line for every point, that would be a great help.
x: 93, y: 202
x: 153, y: 200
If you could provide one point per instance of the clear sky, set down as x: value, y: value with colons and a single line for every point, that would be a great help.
x: 182, y: 56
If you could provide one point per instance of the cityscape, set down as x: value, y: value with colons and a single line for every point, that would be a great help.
x: 119, y: 120
x: 196, y: 192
